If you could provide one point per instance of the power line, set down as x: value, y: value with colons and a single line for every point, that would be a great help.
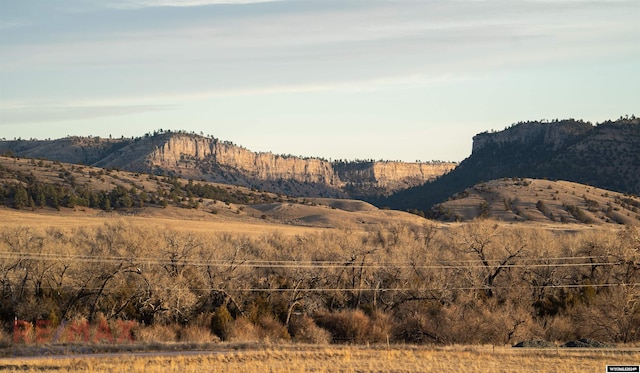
x: 344, y: 289
x: 310, y: 264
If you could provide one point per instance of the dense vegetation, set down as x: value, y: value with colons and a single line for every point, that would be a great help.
x: 23, y: 190
x: 477, y: 283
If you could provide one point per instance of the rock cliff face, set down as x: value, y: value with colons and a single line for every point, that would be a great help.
x: 400, y: 175
x: 552, y: 136
x: 216, y: 159
x: 183, y: 151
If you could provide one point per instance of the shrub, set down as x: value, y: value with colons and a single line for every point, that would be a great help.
x: 578, y: 214
x: 354, y: 326
x: 271, y: 330
x: 222, y: 323
x: 243, y: 330
x: 5, y: 339
x: 156, y: 333
x: 303, y: 329
x: 540, y: 205
x: 417, y: 328
x: 196, y: 334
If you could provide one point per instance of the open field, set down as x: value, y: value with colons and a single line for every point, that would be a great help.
x: 199, y: 222
x: 193, y: 222
x: 340, y: 359
x: 285, y: 219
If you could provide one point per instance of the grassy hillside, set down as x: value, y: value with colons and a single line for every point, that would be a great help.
x: 541, y: 201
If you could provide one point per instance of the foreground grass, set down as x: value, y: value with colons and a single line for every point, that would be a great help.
x: 339, y: 359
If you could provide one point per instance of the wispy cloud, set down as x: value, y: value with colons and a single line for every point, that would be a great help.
x: 31, y: 113
x: 16, y: 112
x: 345, y: 87
x: 9, y: 24
x: 138, y: 4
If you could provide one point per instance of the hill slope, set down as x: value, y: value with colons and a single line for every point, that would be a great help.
x: 62, y: 189
x: 541, y: 201
x: 604, y: 156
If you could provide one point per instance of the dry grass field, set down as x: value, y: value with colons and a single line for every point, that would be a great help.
x: 340, y: 359
x: 175, y: 218
x: 282, y: 218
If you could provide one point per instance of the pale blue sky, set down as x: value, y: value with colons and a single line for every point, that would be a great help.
x: 347, y: 79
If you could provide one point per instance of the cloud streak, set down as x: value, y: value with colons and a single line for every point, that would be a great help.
x: 140, y: 4
x: 15, y: 112
x: 29, y: 113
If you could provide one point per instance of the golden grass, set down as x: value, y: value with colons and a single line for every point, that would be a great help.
x: 201, y: 223
x: 342, y: 359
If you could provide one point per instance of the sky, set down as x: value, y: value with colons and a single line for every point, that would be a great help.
x: 339, y: 79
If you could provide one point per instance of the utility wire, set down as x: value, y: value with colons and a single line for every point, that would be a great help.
x: 313, y: 264
x: 343, y: 289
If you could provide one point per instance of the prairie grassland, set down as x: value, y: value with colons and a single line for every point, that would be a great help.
x: 343, y: 359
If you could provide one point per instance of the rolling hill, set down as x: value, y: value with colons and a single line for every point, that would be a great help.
x: 604, y: 156
x: 540, y: 201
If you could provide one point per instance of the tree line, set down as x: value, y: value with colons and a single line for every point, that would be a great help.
x: 22, y: 190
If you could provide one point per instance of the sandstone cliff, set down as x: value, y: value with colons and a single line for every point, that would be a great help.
x: 400, y: 175
x: 215, y: 159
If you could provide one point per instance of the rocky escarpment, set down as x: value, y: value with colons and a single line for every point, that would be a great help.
x: 74, y: 149
x: 220, y: 161
x: 552, y: 136
x: 225, y: 162
x: 206, y: 158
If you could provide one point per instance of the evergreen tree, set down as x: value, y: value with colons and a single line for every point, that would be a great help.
x: 40, y: 198
x: 20, y: 197
x: 106, y: 204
